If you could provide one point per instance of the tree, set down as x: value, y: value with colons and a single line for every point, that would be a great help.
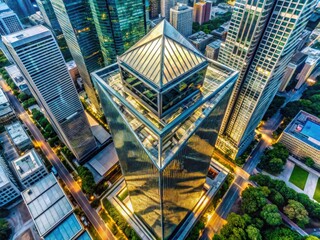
x: 36, y: 114
x: 281, y: 233
x: 88, y: 183
x: 5, y: 229
x: 310, y: 237
x: 276, y: 198
x: 253, y: 199
x: 275, y: 166
x: 22, y: 96
x: 271, y: 215
x: 234, y: 229
x: 296, y: 211
x: 253, y: 233
x: 309, y: 161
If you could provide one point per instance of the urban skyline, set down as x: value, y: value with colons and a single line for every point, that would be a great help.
x: 159, y: 119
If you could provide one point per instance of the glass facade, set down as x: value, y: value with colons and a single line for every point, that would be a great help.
x: 164, y: 159
x: 49, y: 16
x: 119, y: 23
x: 261, y: 40
x: 77, y: 25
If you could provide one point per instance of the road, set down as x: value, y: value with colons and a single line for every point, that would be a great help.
x: 72, y: 185
x: 218, y: 218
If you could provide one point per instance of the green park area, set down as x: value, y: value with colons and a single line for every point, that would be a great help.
x: 299, y: 177
x: 316, y: 195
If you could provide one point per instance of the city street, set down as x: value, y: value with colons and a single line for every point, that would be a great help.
x: 219, y: 217
x: 73, y: 187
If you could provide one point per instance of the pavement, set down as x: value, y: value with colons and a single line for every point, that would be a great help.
x: 216, y: 222
x: 73, y: 187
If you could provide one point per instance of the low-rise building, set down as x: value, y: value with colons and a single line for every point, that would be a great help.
x: 18, y: 136
x: 200, y: 40
x: 212, y: 49
x: 51, y: 210
x: 8, y: 190
x: 302, y: 136
x: 18, y: 78
x: 29, y: 168
x: 6, y: 111
x: 221, y: 32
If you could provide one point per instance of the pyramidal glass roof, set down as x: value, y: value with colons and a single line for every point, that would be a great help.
x: 162, y: 55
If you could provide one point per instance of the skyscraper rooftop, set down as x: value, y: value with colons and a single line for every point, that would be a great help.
x: 163, y: 55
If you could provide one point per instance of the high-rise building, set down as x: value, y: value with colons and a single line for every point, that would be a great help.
x: 37, y: 54
x: 202, y: 11
x: 164, y: 102
x: 181, y: 19
x: 154, y: 8
x: 75, y: 19
x: 9, y: 21
x: 119, y: 25
x: 49, y: 16
x: 261, y: 40
x: 23, y: 8
x: 165, y: 8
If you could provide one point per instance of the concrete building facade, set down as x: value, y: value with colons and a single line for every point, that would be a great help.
x: 181, y: 19
x: 39, y: 58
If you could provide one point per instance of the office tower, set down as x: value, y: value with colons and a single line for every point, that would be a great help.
x: 23, y: 8
x: 118, y: 25
x: 77, y: 25
x: 164, y: 103
x: 37, y: 54
x: 9, y: 21
x: 181, y: 19
x: 165, y: 8
x: 262, y: 38
x: 154, y: 8
x: 49, y: 16
x: 202, y: 12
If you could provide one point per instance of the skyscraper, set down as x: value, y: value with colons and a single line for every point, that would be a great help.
x: 9, y: 21
x: 76, y: 22
x: 37, y: 54
x: 164, y: 103
x: 165, y: 8
x: 49, y: 16
x: 23, y: 8
x: 155, y: 8
x: 261, y: 40
x: 181, y: 19
x: 119, y: 24
x: 202, y: 11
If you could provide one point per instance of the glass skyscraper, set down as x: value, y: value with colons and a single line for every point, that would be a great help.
x: 49, y: 16
x: 262, y: 38
x: 164, y: 102
x: 120, y: 24
x: 40, y: 60
x: 78, y: 28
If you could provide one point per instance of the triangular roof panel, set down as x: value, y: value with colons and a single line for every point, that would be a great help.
x: 162, y: 55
